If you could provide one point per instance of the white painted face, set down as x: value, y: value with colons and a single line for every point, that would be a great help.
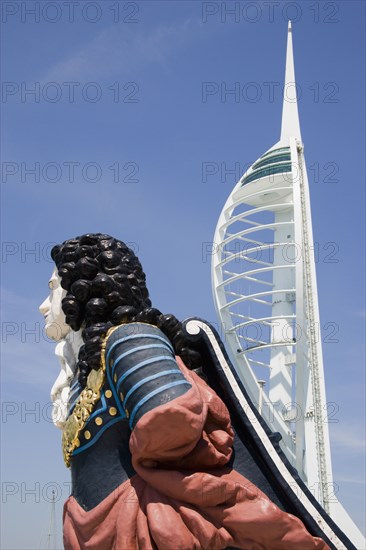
x: 55, y: 322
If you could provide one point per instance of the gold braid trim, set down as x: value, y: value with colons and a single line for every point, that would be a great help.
x: 84, y: 405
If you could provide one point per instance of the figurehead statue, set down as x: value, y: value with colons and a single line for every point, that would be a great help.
x: 98, y: 283
x: 149, y: 442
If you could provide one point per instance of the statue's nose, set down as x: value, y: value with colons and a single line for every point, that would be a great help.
x: 45, y: 306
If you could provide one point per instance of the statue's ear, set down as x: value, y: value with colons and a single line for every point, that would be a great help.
x: 55, y: 252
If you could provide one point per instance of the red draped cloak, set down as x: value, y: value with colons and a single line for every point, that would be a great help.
x: 183, y: 497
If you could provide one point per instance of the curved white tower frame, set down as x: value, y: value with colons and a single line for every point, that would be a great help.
x: 265, y: 291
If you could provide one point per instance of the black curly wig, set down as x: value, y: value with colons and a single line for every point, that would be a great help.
x: 106, y: 286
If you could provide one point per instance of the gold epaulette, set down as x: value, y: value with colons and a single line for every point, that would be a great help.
x: 84, y: 406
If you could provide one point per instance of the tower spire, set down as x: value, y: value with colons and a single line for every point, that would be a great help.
x: 290, y: 115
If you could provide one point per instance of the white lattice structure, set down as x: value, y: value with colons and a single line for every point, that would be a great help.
x: 264, y: 285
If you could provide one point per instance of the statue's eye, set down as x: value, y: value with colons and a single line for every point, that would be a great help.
x: 52, y: 285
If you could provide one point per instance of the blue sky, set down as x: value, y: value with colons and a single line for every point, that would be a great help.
x: 119, y: 132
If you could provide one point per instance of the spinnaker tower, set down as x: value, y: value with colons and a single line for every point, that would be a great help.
x: 265, y: 291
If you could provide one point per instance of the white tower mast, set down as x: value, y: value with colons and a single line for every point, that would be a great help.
x: 265, y: 291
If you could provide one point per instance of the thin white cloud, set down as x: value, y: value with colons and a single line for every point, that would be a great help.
x: 348, y: 438
x: 113, y: 52
x: 350, y: 479
x: 15, y: 299
x: 361, y: 313
x: 28, y: 363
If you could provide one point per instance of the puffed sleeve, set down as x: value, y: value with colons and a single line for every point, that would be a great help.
x: 143, y: 369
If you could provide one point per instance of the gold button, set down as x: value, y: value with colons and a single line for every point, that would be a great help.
x: 98, y: 421
x: 127, y: 413
x: 87, y: 434
x: 108, y: 393
x: 112, y: 411
x: 115, y: 377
